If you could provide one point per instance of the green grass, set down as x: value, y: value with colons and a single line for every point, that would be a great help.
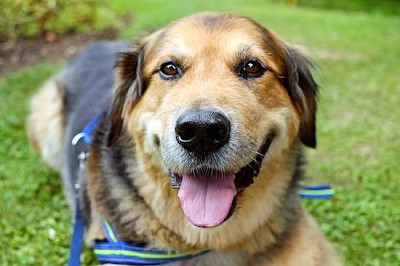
x: 358, y: 57
x: 391, y: 7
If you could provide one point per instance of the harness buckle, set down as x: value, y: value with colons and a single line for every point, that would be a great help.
x: 79, y: 145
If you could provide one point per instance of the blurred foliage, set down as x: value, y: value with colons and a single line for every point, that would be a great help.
x: 386, y: 7
x: 33, y: 18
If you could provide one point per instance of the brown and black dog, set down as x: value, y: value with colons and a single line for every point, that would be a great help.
x: 201, y: 144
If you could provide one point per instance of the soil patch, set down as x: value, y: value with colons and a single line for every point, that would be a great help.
x: 15, y: 54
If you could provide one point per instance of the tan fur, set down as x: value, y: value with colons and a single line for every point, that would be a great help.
x: 266, y: 107
x: 45, y: 125
x: 95, y: 230
x: 225, y: 92
x: 268, y: 226
x: 298, y: 250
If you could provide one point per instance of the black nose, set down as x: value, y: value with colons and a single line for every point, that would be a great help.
x: 202, y: 131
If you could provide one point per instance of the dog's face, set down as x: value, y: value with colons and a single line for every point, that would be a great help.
x: 213, y: 102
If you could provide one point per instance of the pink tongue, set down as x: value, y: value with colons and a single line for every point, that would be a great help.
x: 206, y: 200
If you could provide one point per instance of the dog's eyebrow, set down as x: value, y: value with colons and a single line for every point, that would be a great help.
x: 246, y: 52
x: 169, y: 51
x: 243, y: 52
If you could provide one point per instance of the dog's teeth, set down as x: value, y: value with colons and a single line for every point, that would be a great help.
x: 175, y: 186
x: 175, y: 179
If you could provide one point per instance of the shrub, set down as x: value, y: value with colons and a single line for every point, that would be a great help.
x: 33, y: 18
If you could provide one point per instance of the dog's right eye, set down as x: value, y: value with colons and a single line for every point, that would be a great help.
x: 170, y: 70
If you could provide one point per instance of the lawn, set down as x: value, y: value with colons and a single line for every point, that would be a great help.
x: 357, y: 56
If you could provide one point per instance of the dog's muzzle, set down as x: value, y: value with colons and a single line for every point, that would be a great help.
x: 208, y: 196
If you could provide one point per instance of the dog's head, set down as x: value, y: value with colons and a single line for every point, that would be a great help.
x: 213, y: 101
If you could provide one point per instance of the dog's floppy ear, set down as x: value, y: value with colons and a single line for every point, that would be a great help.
x: 128, y: 88
x: 303, y: 90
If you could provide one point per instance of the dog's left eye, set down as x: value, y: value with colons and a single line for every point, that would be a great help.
x: 251, y: 69
x: 170, y: 70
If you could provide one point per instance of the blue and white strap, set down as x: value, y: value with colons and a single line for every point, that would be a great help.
x: 114, y: 250
x: 316, y: 191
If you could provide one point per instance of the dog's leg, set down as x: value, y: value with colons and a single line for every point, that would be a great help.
x: 95, y: 230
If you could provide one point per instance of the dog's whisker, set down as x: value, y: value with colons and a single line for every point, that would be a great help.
x: 251, y: 166
x: 176, y: 106
x: 260, y: 154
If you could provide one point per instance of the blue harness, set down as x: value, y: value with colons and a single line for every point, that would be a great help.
x: 116, y: 251
x: 79, y: 222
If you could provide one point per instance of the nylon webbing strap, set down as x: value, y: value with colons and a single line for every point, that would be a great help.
x: 117, y: 251
x: 79, y: 223
x: 77, y: 237
x: 316, y: 191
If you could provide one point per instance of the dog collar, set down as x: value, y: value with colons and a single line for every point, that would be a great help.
x: 117, y: 251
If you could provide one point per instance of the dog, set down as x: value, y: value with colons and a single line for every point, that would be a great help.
x: 199, y: 145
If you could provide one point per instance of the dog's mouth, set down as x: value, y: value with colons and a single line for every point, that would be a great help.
x: 208, y: 198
